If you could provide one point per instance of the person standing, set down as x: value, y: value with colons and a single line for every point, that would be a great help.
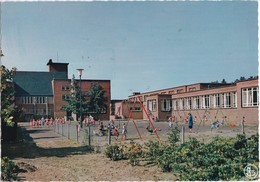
x: 190, y: 122
x: 124, y: 131
x: 170, y: 124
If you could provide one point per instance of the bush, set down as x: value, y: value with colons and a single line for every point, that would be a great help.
x: 133, y: 153
x: 152, y: 150
x: 9, y: 170
x: 115, y: 152
x: 174, y: 136
x: 221, y: 159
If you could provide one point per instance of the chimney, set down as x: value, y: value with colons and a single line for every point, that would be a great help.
x: 57, y: 67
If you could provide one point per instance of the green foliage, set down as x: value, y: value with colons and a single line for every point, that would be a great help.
x: 96, y: 99
x: 133, y: 153
x: 9, y: 110
x: 73, y: 100
x: 115, y: 152
x: 221, y: 159
x: 152, y: 150
x: 174, y: 136
x: 9, y: 170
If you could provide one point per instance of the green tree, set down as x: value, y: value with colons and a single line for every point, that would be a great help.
x: 9, y: 111
x: 73, y: 100
x: 223, y: 81
x: 8, y: 108
x: 96, y: 99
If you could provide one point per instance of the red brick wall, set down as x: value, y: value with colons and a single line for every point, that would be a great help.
x: 85, y: 85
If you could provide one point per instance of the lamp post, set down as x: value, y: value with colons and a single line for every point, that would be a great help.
x: 80, y: 95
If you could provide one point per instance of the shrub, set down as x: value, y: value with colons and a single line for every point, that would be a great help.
x: 174, y: 136
x: 152, y: 150
x: 133, y: 153
x: 115, y: 152
x: 9, y: 170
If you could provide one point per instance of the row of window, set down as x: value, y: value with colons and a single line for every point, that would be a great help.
x: 222, y: 100
x: 34, y: 100
x: 37, y: 111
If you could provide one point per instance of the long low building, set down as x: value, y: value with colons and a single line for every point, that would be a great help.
x: 207, y: 102
x: 43, y: 93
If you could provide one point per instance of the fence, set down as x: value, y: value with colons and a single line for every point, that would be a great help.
x: 87, y: 135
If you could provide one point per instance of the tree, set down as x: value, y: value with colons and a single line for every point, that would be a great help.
x: 73, y: 100
x: 242, y: 78
x: 96, y: 99
x: 9, y: 112
x: 8, y: 109
x: 223, y: 81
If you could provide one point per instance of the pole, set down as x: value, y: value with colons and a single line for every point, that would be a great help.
x: 61, y: 129
x: 148, y: 117
x: 182, y: 134
x: 80, y: 95
x: 68, y: 126
x: 77, y: 132
x: 109, y: 136
x: 47, y: 109
x: 243, y: 125
x: 89, y: 135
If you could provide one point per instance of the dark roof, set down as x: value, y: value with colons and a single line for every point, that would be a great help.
x: 29, y: 83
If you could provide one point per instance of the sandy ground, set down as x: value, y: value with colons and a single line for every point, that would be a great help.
x: 44, y: 155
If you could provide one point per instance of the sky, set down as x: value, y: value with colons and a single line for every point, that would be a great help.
x: 139, y: 46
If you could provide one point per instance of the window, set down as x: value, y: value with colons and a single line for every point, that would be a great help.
x: 151, y: 105
x: 64, y: 88
x: 234, y: 100
x: 216, y: 100
x: 171, y: 92
x: 179, y: 91
x: 174, y: 104
x: 181, y: 104
x: 227, y: 100
x: 188, y: 103
x: 165, y: 105
x: 28, y: 100
x: 250, y: 97
x: 40, y: 100
x: 205, y: 101
x: 65, y: 97
x: 196, y: 102
x: 192, y: 89
x: 134, y: 109
x: 102, y: 111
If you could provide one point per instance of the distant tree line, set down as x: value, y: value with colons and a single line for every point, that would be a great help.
x: 242, y: 78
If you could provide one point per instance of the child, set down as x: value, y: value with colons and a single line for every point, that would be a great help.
x: 124, y: 131
x: 190, y: 122
x: 170, y: 122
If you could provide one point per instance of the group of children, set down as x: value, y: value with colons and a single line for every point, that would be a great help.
x: 112, y: 128
x: 189, y: 120
x: 89, y: 120
x: 45, y: 122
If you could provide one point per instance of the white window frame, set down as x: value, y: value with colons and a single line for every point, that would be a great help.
x: 234, y: 99
x: 248, y: 97
x: 151, y: 104
x: 166, y: 105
